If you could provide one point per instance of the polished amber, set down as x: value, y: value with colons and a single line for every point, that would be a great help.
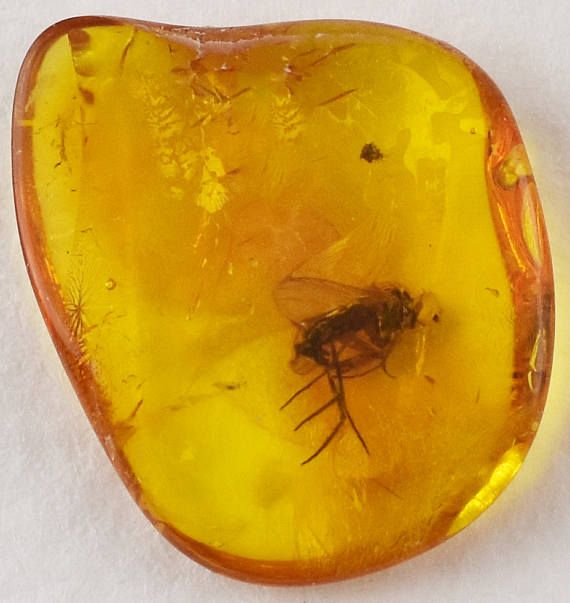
x: 169, y: 181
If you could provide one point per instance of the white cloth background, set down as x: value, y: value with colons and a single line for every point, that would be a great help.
x: 68, y: 529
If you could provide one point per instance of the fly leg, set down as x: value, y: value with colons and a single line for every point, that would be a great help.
x: 317, y: 412
x: 327, y: 441
x: 374, y: 367
x: 303, y: 389
x: 342, y: 418
x: 345, y: 414
x: 308, y: 386
x: 333, y: 400
x: 336, y: 383
x: 375, y: 348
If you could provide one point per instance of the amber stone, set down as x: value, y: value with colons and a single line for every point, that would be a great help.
x: 298, y: 276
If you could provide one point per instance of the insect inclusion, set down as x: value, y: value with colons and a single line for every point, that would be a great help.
x: 348, y: 332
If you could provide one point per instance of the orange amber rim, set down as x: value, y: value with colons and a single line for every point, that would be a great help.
x: 505, y: 203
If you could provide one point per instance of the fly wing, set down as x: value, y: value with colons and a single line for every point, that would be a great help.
x: 302, y: 299
x: 366, y: 254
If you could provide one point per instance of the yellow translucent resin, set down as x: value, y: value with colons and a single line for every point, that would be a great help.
x: 169, y: 180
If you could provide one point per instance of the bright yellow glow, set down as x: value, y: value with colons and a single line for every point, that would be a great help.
x: 178, y: 186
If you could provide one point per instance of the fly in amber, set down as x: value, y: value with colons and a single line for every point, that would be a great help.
x: 348, y: 332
